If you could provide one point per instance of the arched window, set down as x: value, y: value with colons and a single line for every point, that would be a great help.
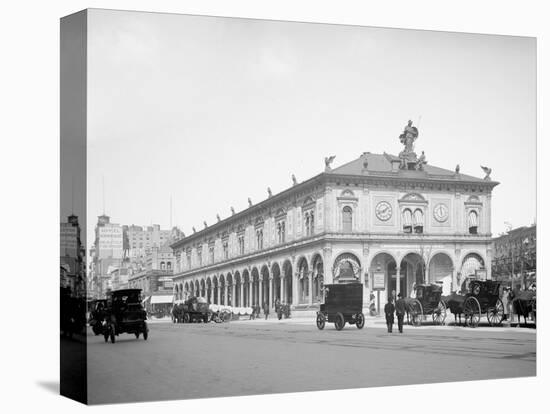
x: 347, y: 218
x: 472, y: 222
x: 418, y: 221
x: 407, y: 221
x: 168, y: 266
x: 162, y: 265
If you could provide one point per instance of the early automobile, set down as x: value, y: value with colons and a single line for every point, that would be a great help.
x: 196, y: 309
x: 427, y: 301
x: 125, y: 314
x: 343, y: 303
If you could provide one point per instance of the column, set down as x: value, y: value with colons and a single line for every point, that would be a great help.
x: 218, y: 294
x: 281, y: 288
x: 249, y: 303
x: 397, y: 280
x: 241, y: 302
x: 310, y: 280
x: 294, y: 282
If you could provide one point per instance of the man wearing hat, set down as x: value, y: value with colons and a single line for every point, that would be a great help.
x: 389, y: 310
x: 400, y: 311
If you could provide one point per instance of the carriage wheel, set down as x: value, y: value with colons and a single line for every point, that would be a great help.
x: 186, y: 318
x: 320, y: 321
x: 360, y: 320
x: 440, y: 313
x: 495, y: 314
x: 339, y: 321
x: 416, y: 312
x: 472, y: 312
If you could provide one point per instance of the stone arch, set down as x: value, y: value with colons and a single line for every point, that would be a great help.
x: 229, y: 289
x: 222, y: 289
x: 287, y: 282
x: 237, y: 289
x: 412, y: 271
x: 266, y: 291
x: 383, y: 262
x: 469, y: 264
x: 209, y: 289
x: 246, y: 288
x: 255, y: 275
x: 346, y: 267
x: 203, y: 288
x: 317, y: 267
x: 440, y: 269
x: 303, y: 280
x: 277, y: 282
x: 215, y: 290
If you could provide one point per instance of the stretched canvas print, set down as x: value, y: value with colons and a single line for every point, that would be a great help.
x: 253, y: 206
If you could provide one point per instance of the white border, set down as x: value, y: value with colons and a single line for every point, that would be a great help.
x: 30, y: 130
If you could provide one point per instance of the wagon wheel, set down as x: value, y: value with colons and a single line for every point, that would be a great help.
x: 495, y: 314
x: 186, y: 318
x: 416, y: 312
x: 472, y: 312
x: 440, y: 313
x: 320, y: 321
x: 360, y: 320
x: 339, y: 321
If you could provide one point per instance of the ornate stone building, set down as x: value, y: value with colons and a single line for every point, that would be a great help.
x: 386, y: 221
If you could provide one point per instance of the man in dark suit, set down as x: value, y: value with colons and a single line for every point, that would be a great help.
x: 400, y: 311
x: 389, y: 310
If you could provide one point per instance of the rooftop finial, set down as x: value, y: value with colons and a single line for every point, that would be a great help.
x: 294, y: 181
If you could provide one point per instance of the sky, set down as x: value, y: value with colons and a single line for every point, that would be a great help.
x: 207, y: 111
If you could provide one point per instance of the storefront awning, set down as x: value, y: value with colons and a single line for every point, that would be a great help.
x: 162, y: 299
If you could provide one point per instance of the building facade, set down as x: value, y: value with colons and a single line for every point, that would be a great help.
x: 71, y: 257
x: 385, y: 221
x: 515, y: 257
x: 157, y: 274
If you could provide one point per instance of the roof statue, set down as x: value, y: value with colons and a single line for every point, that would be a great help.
x: 218, y: 217
x: 421, y: 162
x: 328, y: 161
x: 194, y: 230
x: 457, y: 169
x: 294, y: 181
x: 487, y: 172
x: 232, y: 211
x: 408, y: 157
x: 249, y: 202
x: 269, y: 194
x: 205, y: 225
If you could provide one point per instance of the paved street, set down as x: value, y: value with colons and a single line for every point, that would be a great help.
x: 257, y: 357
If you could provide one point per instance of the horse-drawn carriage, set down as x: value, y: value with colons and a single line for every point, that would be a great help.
x: 427, y: 301
x: 343, y: 303
x: 481, y: 296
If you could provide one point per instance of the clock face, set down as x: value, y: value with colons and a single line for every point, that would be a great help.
x: 383, y: 210
x: 441, y: 212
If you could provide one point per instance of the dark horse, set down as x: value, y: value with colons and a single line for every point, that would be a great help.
x: 523, y: 304
x: 455, y: 303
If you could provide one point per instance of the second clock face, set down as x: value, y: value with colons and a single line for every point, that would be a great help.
x: 441, y: 212
x: 383, y: 211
